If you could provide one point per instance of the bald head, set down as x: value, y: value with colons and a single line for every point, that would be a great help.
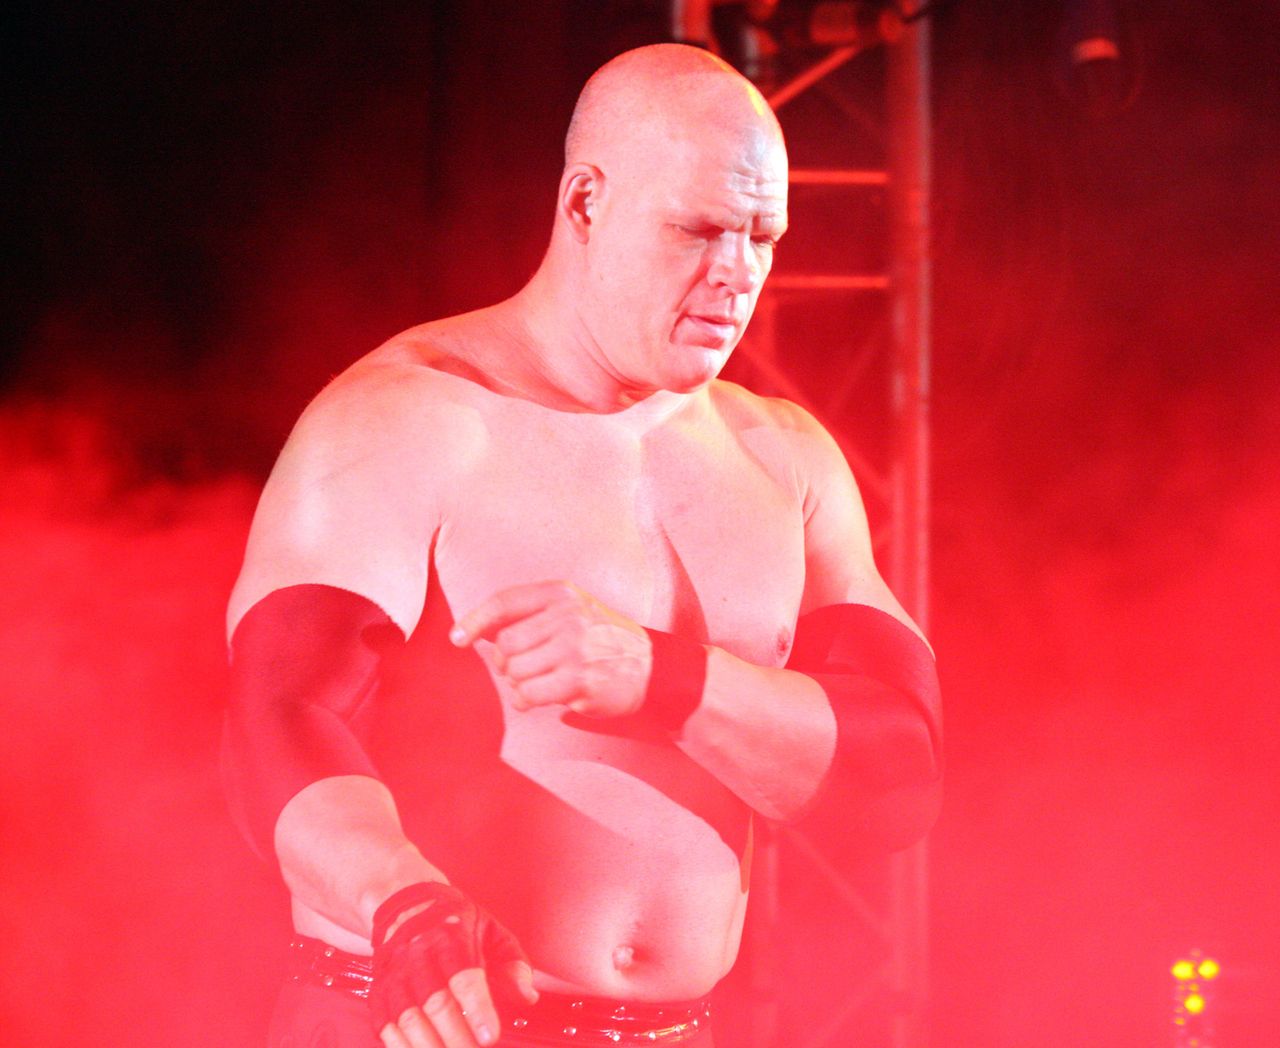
x: 672, y: 198
x: 662, y: 91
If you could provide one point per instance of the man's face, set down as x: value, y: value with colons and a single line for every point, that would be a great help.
x: 681, y: 245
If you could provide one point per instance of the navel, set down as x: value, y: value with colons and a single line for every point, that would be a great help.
x: 624, y: 957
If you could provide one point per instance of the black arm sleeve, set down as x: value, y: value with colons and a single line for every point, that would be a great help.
x: 883, y: 687
x: 305, y: 664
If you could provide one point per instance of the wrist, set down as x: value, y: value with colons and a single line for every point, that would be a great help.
x: 677, y: 676
x: 408, y: 902
x: 404, y: 868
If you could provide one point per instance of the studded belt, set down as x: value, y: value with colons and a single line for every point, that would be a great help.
x: 317, y: 963
x: 556, y: 1019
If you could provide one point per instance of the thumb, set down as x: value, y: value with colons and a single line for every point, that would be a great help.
x: 519, y: 975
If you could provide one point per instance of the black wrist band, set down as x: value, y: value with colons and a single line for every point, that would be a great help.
x: 676, y: 679
x: 396, y: 903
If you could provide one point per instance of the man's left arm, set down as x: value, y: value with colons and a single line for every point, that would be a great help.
x: 852, y: 727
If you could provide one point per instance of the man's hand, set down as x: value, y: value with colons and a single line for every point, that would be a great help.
x: 435, y: 954
x: 557, y: 644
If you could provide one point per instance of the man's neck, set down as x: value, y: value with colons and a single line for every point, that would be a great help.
x: 554, y: 362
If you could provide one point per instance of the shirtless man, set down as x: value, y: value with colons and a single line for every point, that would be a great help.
x: 626, y: 543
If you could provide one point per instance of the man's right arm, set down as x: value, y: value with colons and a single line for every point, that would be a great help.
x: 306, y: 665
x: 336, y: 568
x: 336, y: 518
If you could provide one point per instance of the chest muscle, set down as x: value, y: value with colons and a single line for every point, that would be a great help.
x: 695, y: 537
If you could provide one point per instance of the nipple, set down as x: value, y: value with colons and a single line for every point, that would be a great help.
x: 783, y: 644
x: 623, y: 957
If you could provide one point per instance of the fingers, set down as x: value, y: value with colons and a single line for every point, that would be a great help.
x: 558, y: 686
x: 447, y: 1016
x: 412, y: 1030
x: 470, y: 989
x: 426, y: 1006
x: 391, y: 1037
x: 418, y: 1031
x: 522, y: 664
x: 519, y: 976
x: 461, y: 1015
x: 550, y: 624
x: 505, y: 607
x: 509, y: 963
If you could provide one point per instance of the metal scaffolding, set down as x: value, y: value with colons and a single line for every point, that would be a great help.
x: 882, y: 906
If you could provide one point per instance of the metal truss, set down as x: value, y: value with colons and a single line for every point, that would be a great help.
x: 873, y: 932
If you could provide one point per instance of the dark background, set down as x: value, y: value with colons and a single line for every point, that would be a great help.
x: 210, y: 208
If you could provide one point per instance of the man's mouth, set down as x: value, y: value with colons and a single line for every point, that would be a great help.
x: 717, y: 325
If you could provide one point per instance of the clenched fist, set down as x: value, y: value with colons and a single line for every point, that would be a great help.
x: 556, y: 644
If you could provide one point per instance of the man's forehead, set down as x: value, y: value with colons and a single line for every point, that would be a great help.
x: 720, y: 163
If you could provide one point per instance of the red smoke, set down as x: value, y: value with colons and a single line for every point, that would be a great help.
x: 119, y: 858
x: 1106, y: 464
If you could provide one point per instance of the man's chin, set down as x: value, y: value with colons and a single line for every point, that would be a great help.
x: 701, y: 366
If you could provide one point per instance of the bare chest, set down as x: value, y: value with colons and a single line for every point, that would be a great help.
x: 692, y: 532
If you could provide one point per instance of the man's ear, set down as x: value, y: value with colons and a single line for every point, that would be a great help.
x: 580, y: 189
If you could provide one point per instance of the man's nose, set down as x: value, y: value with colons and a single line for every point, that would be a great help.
x: 736, y: 265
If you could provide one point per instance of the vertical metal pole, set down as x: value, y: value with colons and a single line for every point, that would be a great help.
x: 765, y: 890
x: 909, y: 181
x: 766, y: 906
x: 909, y: 199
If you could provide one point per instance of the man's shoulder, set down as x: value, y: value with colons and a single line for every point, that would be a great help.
x: 742, y: 408
x: 410, y: 386
x: 783, y: 432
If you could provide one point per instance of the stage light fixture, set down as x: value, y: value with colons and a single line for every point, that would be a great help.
x: 1097, y: 60
x: 753, y: 34
x: 1208, y: 969
x: 1193, y: 990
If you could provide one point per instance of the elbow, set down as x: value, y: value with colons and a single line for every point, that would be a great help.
x: 870, y: 825
x: 876, y: 813
x: 901, y: 818
x: 901, y: 815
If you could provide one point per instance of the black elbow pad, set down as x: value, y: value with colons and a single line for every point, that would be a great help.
x: 305, y: 667
x: 882, y: 683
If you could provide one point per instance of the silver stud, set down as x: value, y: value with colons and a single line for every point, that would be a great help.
x: 328, y: 980
x: 519, y: 1024
x: 570, y: 1031
x: 652, y: 1036
x: 576, y: 1006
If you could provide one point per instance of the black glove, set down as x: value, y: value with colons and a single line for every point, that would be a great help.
x: 430, y: 947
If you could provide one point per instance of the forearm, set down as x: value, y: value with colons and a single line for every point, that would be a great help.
x: 770, y: 735
x: 342, y: 850
x: 306, y: 666
x: 850, y: 729
x: 438, y: 959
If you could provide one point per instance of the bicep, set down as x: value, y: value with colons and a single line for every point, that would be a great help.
x: 840, y: 565
x: 337, y: 511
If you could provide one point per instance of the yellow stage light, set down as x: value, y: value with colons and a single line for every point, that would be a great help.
x: 1184, y: 970
x: 1194, y: 1004
x: 1209, y: 968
